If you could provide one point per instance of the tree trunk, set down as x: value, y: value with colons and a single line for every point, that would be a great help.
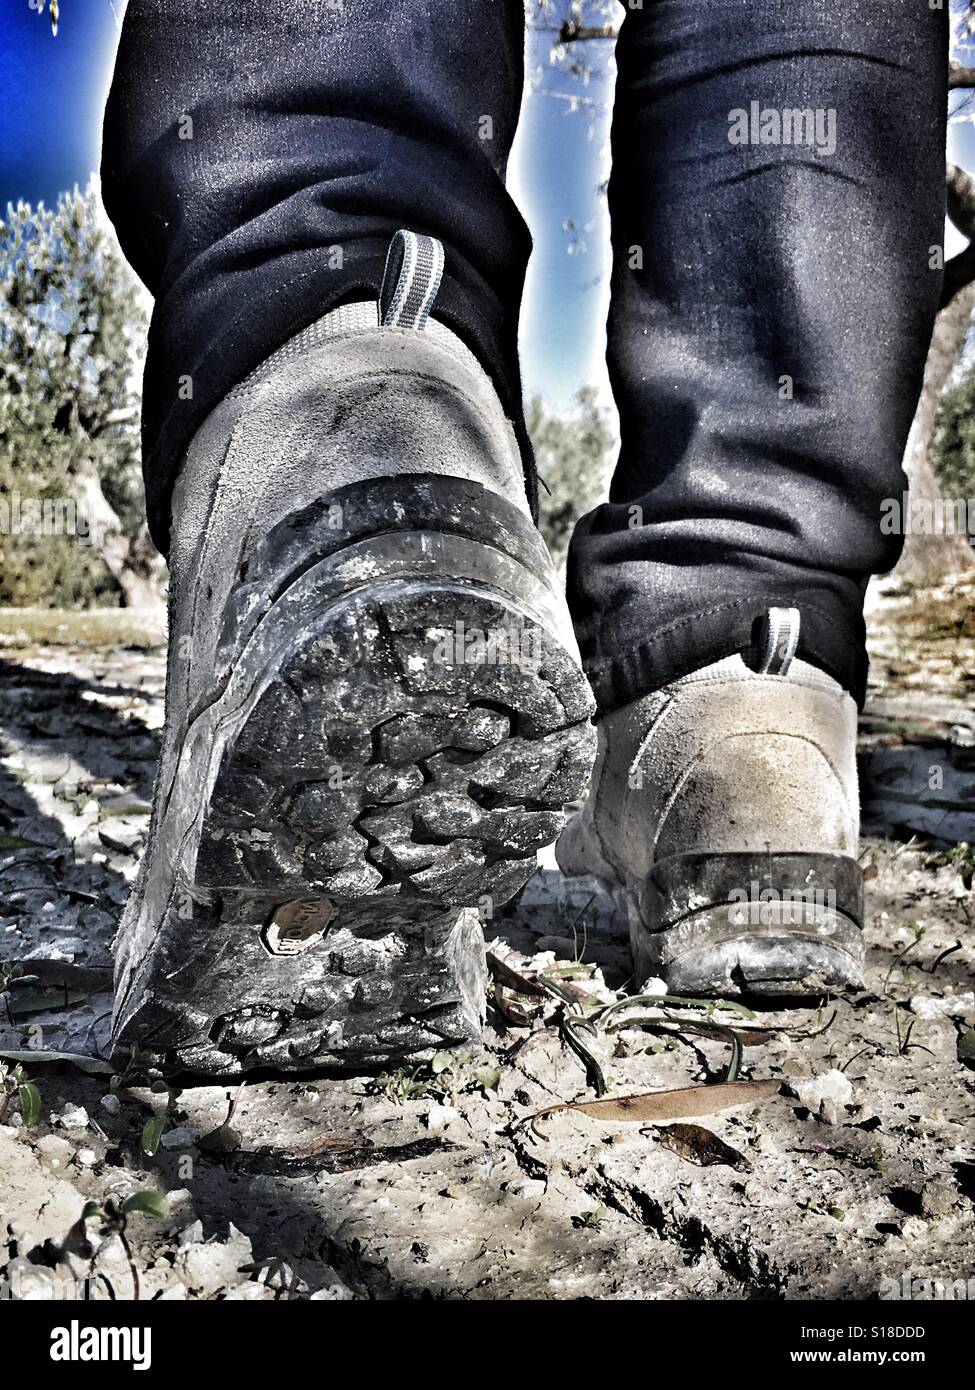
x: 926, y: 559
x: 112, y: 544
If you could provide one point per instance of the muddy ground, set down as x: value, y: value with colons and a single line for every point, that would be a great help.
x: 856, y: 1173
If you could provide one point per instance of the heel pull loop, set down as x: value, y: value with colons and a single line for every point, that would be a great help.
x: 777, y: 639
x: 411, y: 279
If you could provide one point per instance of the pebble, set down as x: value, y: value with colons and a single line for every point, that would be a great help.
x: 72, y: 1118
x: 55, y: 1151
x: 825, y: 1094
x: 929, y: 1007
x: 526, y: 1187
x: 332, y: 1292
x: 191, y: 1234
x: 213, y: 1265
x: 180, y: 1138
x: 440, y: 1116
x: 937, y: 1199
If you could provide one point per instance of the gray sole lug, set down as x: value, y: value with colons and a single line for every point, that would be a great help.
x: 395, y: 793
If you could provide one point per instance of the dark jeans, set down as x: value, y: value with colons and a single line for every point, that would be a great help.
x: 771, y: 301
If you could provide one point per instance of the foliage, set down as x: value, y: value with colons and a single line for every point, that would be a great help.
x: 71, y: 334
x: 953, y: 445
x: 15, y: 1084
x: 572, y: 453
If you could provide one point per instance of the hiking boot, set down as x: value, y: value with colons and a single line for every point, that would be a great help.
x: 375, y: 711
x: 724, y: 810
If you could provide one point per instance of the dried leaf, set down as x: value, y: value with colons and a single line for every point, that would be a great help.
x: 24, y: 1005
x: 699, y: 1145
x: 649, y: 1106
x: 511, y: 979
x: 510, y: 1010
x: 32, y: 1057
x: 222, y: 1140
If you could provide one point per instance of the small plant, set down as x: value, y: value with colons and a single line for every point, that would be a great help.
x: 15, y: 1084
x: 440, y: 1078
x: 817, y: 1209
x: 904, y: 1044
x: 590, y: 1220
x: 962, y: 857
x: 275, y: 1270
x: 873, y: 1162
x: 156, y: 1126
x: 901, y: 957
x: 136, y: 1071
x: 406, y: 1083
x: 11, y: 972
x: 113, y: 1217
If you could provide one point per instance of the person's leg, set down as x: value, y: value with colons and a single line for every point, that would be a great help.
x: 771, y: 311
x: 375, y: 712
x: 259, y: 155
x: 777, y: 201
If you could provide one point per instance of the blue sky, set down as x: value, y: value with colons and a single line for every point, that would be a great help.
x: 54, y: 90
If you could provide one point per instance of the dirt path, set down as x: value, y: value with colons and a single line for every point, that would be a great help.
x: 860, y: 1168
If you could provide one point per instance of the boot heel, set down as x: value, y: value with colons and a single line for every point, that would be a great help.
x: 403, y: 722
x: 741, y: 923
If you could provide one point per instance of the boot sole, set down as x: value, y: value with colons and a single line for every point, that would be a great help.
x: 397, y: 738
x: 750, y: 924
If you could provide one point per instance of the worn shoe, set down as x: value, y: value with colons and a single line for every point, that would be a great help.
x: 375, y: 711
x: 724, y: 810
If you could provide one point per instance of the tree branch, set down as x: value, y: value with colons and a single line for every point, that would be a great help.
x: 959, y: 76
x: 572, y: 32
x: 960, y: 206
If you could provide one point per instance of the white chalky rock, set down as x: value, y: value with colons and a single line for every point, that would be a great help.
x: 86, y: 1158
x: 213, y: 1265
x: 440, y: 1117
x: 55, y: 1151
x: 825, y: 1094
x: 73, y: 1118
x: 526, y: 1187
x: 332, y: 1290
x: 928, y: 1007
x: 31, y: 1283
x: 112, y: 1252
x: 191, y: 1234
x: 111, y: 1104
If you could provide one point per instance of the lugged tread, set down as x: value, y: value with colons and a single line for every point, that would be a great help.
x: 436, y: 779
x: 362, y: 772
